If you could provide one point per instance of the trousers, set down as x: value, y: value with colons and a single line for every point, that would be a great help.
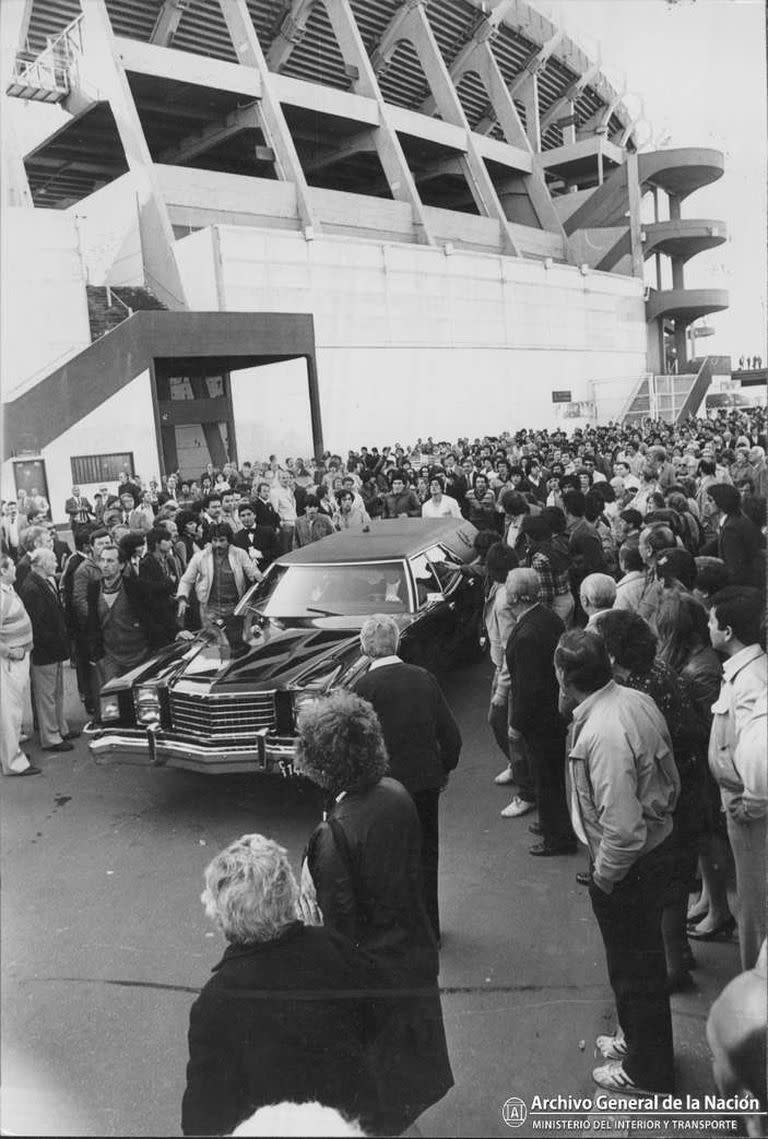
x: 427, y: 806
x: 748, y: 842
x: 630, y: 924
x: 547, y: 758
x: 48, y: 697
x: 14, y: 678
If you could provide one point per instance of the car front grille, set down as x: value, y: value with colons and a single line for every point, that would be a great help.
x: 230, y: 717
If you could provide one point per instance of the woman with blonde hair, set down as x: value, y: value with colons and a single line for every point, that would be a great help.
x: 281, y: 1017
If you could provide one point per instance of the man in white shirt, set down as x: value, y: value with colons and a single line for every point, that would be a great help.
x: 284, y: 501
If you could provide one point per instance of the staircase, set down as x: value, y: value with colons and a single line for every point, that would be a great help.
x: 671, y: 398
x: 108, y: 307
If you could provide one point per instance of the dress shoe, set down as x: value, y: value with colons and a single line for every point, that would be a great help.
x: 721, y: 932
x: 65, y: 745
x: 549, y: 850
x: 31, y: 770
x: 534, y: 828
x: 584, y: 877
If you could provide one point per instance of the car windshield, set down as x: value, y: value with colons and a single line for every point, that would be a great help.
x: 331, y: 590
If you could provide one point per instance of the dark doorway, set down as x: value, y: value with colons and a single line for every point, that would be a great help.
x: 195, y: 411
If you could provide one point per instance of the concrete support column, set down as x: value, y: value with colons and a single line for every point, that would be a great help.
x: 14, y: 22
x: 399, y: 177
x: 102, y: 71
x: 635, y: 223
x: 287, y: 164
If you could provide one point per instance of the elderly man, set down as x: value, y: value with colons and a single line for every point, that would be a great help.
x: 422, y: 737
x: 624, y: 787
x: 219, y: 574
x: 40, y: 596
x: 283, y: 499
x: 597, y: 595
x: 534, y: 719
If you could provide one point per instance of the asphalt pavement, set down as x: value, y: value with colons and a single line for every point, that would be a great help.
x: 105, y: 943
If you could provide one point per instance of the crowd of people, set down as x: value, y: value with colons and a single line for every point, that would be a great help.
x: 624, y: 617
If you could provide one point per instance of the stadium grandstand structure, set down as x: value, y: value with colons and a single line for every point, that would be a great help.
x: 437, y: 176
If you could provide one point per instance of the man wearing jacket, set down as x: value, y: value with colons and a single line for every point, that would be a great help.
x: 423, y: 740
x: 40, y: 596
x: 624, y: 787
x: 534, y: 718
x: 740, y: 768
x: 219, y: 574
x: 401, y: 502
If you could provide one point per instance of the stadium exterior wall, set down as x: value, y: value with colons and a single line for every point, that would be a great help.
x: 412, y: 341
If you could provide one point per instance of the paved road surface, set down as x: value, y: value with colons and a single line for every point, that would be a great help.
x: 104, y: 941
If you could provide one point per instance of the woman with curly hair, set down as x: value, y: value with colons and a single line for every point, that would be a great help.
x: 365, y: 862
x: 685, y: 647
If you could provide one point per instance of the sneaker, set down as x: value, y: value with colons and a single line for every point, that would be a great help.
x: 613, y: 1077
x: 517, y: 807
x: 611, y: 1047
x: 504, y: 777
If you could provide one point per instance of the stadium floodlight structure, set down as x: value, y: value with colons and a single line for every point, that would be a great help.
x: 321, y: 157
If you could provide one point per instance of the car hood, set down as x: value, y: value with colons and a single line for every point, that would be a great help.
x: 272, y: 655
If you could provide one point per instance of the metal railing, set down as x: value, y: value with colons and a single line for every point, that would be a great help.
x: 50, y: 70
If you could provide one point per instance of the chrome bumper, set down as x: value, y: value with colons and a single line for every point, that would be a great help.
x: 148, y: 747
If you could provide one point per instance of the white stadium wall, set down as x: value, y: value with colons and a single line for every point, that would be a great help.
x: 124, y: 422
x: 412, y: 341
x: 44, y: 309
x: 270, y: 409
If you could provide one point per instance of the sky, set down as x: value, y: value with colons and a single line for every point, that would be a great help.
x: 699, y: 66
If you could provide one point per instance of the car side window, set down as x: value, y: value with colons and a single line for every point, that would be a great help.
x: 424, y: 579
x: 445, y: 566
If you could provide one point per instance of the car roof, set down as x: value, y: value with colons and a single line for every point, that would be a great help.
x: 387, y: 538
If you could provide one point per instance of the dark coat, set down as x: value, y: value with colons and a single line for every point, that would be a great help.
x: 423, y: 739
x: 279, y: 1020
x: 586, y: 552
x: 266, y: 515
x: 159, y: 604
x: 49, y: 626
x: 140, y: 598
x: 738, y: 545
x: 534, y: 691
x: 263, y: 538
x: 372, y: 892
x: 66, y: 586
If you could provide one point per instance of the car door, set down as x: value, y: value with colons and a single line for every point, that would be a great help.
x: 462, y: 589
x: 426, y: 640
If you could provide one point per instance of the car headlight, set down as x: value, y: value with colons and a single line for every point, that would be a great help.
x: 303, y: 700
x: 147, y: 704
x: 109, y: 708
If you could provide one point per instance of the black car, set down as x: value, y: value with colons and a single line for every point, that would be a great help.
x: 227, y: 700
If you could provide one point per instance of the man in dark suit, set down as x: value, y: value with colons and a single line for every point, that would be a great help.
x: 738, y: 538
x: 79, y: 510
x: 423, y: 739
x: 260, y: 539
x: 533, y: 707
x: 40, y: 596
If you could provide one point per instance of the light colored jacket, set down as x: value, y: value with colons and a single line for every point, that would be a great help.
x: 630, y: 590
x: 624, y: 782
x: 740, y: 772
x: 199, y: 573
x: 499, y: 622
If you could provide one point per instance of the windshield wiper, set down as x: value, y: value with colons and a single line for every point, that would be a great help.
x: 323, y: 612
